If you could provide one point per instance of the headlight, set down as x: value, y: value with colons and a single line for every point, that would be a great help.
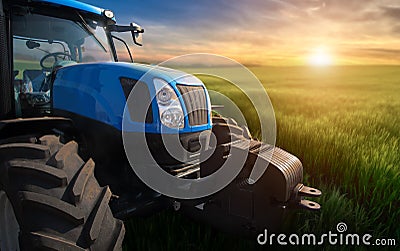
x: 164, y: 96
x: 108, y: 13
x: 172, y: 117
x: 169, y: 107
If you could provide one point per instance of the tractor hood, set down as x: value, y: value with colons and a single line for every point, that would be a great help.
x: 137, y: 71
x: 98, y: 91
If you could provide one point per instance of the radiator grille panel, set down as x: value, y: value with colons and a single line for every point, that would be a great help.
x: 196, y: 104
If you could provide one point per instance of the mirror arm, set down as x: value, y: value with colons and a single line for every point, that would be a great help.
x: 120, y: 28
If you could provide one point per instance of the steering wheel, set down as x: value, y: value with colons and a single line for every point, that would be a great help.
x: 56, y: 56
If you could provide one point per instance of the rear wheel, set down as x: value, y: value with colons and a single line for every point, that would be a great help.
x: 50, y: 200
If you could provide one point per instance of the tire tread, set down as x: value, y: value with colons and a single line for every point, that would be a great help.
x: 74, y: 215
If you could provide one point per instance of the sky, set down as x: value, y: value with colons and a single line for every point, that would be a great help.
x: 266, y: 32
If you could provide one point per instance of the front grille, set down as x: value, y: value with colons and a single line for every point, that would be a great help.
x: 195, y: 102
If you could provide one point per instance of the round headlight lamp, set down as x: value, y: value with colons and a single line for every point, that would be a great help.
x: 164, y: 96
x: 108, y: 13
x: 172, y: 117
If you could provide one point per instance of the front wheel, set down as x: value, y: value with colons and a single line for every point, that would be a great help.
x: 50, y: 200
x: 227, y: 130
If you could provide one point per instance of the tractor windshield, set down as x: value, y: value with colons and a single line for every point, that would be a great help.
x: 41, y: 43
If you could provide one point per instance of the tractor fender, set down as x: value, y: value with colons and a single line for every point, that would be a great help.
x: 41, y: 125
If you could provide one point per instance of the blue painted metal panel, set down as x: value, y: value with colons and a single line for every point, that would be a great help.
x: 75, y: 5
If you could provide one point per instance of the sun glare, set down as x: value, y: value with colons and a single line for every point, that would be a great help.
x: 320, y: 57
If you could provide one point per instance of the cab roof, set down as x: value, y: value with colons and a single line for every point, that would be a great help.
x: 79, y: 6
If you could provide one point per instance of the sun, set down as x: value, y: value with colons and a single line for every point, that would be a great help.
x: 320, y: 56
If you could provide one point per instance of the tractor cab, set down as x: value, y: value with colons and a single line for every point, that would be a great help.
x: 45, y: 38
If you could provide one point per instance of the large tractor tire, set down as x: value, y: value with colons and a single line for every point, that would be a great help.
x: 227, y: 130
x: 50, y: 200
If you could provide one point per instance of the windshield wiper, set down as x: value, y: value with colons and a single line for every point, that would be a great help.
x: 87, y: 28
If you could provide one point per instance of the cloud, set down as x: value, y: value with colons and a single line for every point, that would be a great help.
x: 260, y: 30
x: 386, y: 52
x: 392, y: 12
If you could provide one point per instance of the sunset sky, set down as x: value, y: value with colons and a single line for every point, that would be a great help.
x: 266, y: 32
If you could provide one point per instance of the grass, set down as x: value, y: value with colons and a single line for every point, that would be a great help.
x: 21, y: 65
x: 345, y: 129
x: 344, y: 125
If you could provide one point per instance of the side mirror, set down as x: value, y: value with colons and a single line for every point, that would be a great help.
x: 137, y: 34
x: 32, y: 44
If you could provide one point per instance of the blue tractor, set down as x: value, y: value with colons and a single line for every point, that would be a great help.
x: 63, y: 95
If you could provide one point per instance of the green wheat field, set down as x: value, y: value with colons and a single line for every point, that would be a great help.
x: 343, y: 123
